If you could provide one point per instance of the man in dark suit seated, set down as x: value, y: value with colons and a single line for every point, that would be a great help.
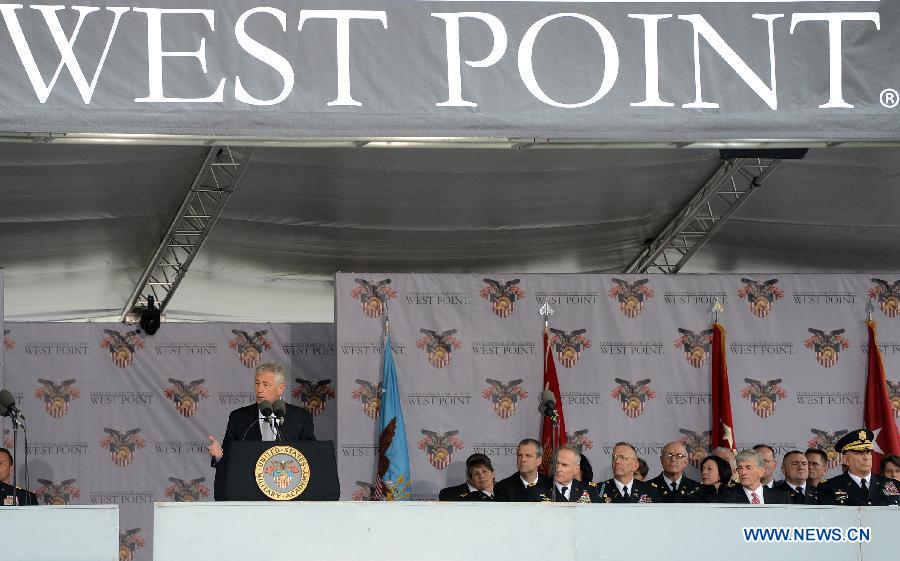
x: 10, y: 495
x: 479, y: 485
x: 567, y: 488
x: 526, y: 484
x: 248, y: 423
x: 858, y: 486
x: 623, y: 487
x: 672, y: 484
x: 795, y: 467
x: 751, y: 467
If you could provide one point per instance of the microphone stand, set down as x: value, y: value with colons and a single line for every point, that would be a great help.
x: 554, y: 419
x: 15, y: 421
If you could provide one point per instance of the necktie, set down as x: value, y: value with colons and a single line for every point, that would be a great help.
x: 674, y: 487
x: 755, y: 498
x: 800, y: 492
x: 625, y: 492
x: 865, y: 487
x: 563, y: 491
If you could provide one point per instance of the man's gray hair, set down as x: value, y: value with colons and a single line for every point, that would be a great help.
x: 539, y: 449
x: 731, y: 460
x: 571, y: 449
x: 753, y: 455
x: 275, y: 369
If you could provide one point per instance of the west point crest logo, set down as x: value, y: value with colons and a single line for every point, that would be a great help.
x: 504, y: 396
x: 631, y: 295
x: 122, y: 445
x: 282, y: 472
x: 502, y: 296
x: 578, y: 439
x: 696, y: 346
x: 250, y: 348
x: 53, y: 493
x: 888, y: 296
x: 827, y: 345
x: 186, y: 490
x: 373, y: 296
x: 632, y: 395
x: 893, y: 389
x: 369, y: 394
x: 825, y: 441
x: 8, y: 342
x: 760, y: 295
x: 569, y: 345
x: 186, y: 395
x: 440, y: 447
x: 57, y: 395
x: 313, y: 394
x: 697, y: 445
x: 122, y: 346
x: 438, y: 346
x: 763, y: 395
x: 129, y: 541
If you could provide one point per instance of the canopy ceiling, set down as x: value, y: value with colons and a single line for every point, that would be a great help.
x: 78, y: 223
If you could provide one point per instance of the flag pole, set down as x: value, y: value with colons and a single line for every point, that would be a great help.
x: 546, y: 311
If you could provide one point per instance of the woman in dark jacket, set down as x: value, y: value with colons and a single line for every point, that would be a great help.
x: 715, y: 478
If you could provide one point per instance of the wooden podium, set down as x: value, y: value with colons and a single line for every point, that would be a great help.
x: 282, y: 471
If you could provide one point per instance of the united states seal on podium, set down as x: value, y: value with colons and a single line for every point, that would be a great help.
x: 282, y: 473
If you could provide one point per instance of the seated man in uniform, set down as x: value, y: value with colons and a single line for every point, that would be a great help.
x: 795, y: 467
x: 858, y: 486
x: 751, y: 466
x: 479, y: 485
x: 672, y: 484
x: 7, y: 496
x: 623, y: 487
x: 569, y: 489
x: 526, y: 484
x: 818, y: 467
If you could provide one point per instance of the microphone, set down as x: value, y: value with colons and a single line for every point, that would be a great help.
x: 265, y: 407
x: 279, y: 408
x: 9, y: 409
x: 548, y: 403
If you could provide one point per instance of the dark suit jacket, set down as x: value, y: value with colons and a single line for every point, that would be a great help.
x: 637, y: 490
x: 842, y: 490
x: 512, y: 490
x: 243, y: 425
x: 26, y: 498
x: 462, y: 493
x: 736, y: 495
x: 810, y: 496
x: 688, y: 490
x: 577, y: 493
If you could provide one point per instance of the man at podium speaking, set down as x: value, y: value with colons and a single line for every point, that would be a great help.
x: 248, y: 423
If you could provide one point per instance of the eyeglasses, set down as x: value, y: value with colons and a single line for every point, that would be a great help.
x: 617, y: 457
x: 674, y: 456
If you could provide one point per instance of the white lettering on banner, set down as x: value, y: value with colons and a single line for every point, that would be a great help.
x: 63, y: 44
x: 835, y: 61
x: 702, y: 27
x: 651, y: 60
x: 454, y: 71
x: 610, y: 60
x: 342, y: 19
x: 264, y: 54
x: 155, y: 55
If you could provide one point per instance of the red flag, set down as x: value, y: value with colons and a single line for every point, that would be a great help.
x: 551, y: 382
x: 722, y: 422
x: 878, y: 415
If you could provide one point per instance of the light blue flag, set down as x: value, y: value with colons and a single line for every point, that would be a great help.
x: 393, y: 456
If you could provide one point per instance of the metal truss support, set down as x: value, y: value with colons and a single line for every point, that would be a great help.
x: 708, y: 210
x: 203, y: 204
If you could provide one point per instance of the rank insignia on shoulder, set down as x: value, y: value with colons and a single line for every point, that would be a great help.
x: 593, y: 483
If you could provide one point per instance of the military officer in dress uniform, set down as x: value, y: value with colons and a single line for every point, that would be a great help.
x: 479, y: 485
x: 795, y: 467
x: 623, y: 487
x: 526, y: 484
x: 9, y: 494
x: 569, y: 489
x: 672, y: 485
x: 858, y: 486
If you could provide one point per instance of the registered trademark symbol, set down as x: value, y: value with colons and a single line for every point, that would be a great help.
x: 890, y: 98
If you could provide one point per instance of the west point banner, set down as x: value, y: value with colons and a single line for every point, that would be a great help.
x: 117, y: 416
x: 632, y: 356
x: 592, y: 69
